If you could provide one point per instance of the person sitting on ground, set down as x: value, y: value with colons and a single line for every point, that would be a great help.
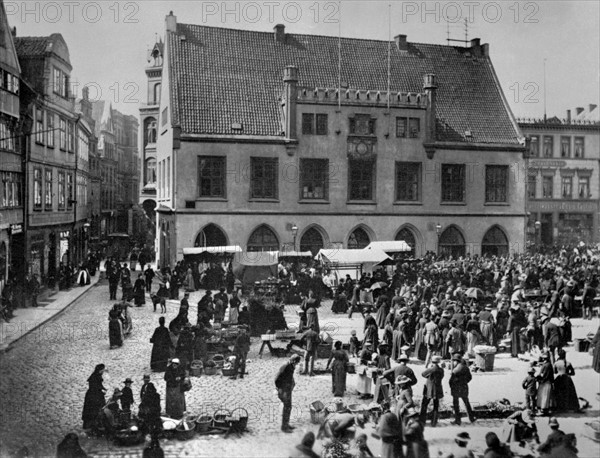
x: 70, y: 448
x: 495, y: 448
x: 554, y: 438
x: 153, y: 450
x: 460, y: 450
x: 363, y: 449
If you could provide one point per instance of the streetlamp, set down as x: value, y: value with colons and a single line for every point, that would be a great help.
x: 294, y: 234
x: 538, y: 235
x: 438, y: 231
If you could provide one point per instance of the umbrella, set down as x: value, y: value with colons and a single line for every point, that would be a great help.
x: 378, y: 285
x: 474, y: 293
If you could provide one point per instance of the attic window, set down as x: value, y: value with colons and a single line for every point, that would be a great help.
x: 468, y: 133
x: 237, y: 126
x: 344, y: 84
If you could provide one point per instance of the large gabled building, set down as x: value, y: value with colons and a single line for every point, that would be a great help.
x: 263, y: 142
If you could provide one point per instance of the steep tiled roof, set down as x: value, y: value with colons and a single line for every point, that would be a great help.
x: 32, y: 46
x: 223, y: 76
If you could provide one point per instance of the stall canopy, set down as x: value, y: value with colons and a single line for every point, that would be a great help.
x: 295, y: 254
x: 252, y: 266
x: 212, y: 250
x: 391, y: 246
x: 354, y: 257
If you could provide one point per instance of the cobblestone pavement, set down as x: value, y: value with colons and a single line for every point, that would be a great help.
x: 43, y: 385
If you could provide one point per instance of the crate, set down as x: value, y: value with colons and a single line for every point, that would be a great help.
x: 318, y: 412
x: 581, y: 345
x: 268, y: 337
x: 485, y: 361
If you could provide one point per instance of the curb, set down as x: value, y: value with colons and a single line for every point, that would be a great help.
x: 5, y: 348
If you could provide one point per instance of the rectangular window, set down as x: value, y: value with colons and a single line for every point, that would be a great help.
x: 61, y: 83
x: 362, y: 124
x: 37, y: 189
x: 414, y: 127
x: 61, y: 190
x: 308, y: 122
x: 263, y: 178
x: 11, y: 189
x: 534, y: 146
x: 361, y: 179
x: 314, y: 179
x: 57, y: 80
x: 7, y: 134
x: 211, y: 176
x: 548, y: 146
x: 69, y: 190
x: 547, y: 185
x: 565, y: 146
x: 321, y: 124
x: 453, y: 183
x: 584, y: 187
x: 48, y: 189
x: 71, y: 138
x: 496, y: 183
x: 62, y: 126
x: 531, y: 186
x: 408, y: 181
x: 168, y: 177
x: 579, y: 147
x: 401, y: 127
x: 567, y: 187
x: 39, y: 125
x: 50, y: 130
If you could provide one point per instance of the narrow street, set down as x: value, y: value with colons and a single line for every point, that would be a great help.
x: 44, y: 383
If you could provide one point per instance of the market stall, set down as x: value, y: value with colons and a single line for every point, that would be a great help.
x: 250, y: 267
x: 351, y: 262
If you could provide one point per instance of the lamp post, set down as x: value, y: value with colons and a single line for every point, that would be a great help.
x: 538, y: 234
x: 438, y: 231
x: 294, y: 234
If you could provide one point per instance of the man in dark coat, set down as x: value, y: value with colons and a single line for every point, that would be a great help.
x: 311, y: 337
x: 223, y: 297
x: 459, y: 387
x: 284, y: 382
x: 400, y: 370
x: 240, y: 350
x: 149, y: 274
x: 161, y: 350
x: 432, y: 390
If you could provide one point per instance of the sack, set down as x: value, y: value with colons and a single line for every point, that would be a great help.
x: 186, y: 385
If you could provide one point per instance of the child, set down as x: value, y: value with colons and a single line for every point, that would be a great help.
x: 354, y: 344
x: 363, y: 449
x: 530, y: 387
x: 127, y: 395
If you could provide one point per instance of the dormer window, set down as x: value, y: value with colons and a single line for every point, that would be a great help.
x: 61, y: 83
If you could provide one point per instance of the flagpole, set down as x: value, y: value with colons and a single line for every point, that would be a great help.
x: 340, y: 57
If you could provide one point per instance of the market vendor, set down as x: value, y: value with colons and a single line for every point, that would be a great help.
x: 520, y: 426
x: 337, y: 425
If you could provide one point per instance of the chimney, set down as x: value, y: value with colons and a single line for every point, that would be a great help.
x: 592, y: 107
x: 579, y: 110
x: 290, y: 81
x: 476, y: 47
x: 171, y: 22
x: 568, y: 116
x: 279, y: 32
x: 401, y: 42
x: 430, y: 88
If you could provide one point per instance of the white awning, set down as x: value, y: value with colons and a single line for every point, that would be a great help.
x: 295, y: 254
x: 391, y: 246
x: 356, y: 257
x: 213, y: 249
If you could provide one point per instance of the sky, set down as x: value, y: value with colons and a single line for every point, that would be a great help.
x: 109, y: 40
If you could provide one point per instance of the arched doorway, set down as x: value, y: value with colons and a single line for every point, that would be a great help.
x: 211, y: 235
x: 312, y: 241
x: 358, y: 239
x: 409, y: 237
x: 263, y: 239
x: 452, y: 243
x: 494, y: 243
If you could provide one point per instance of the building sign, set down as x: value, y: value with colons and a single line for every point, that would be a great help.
x: 570, y: 206
x: 16, y: 229
x: 548, y: 164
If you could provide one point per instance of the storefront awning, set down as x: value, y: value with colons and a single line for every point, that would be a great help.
x: 390, y: 246
x: 213, y: 249
x: 354, y: 257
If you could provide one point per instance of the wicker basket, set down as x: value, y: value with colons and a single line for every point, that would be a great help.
x: 196, y: 368
x: 220, y: 418
x: 238, y: 419
x: 228, y: 372
x: 219, y: 361
x: 185, y: 434
x: 128, y: 437
x: 208, y: 370
x: 203, y: 423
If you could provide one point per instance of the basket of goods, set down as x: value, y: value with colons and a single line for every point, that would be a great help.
x: 185, y: 430
x: 219, y: 361
x: 196, y: 368
x: 357, y: 408
x: 337, y: 405
x: 318, y: 412
x: 238, y: 419
x: 129, y: 436
x: 228, y: 369
x: 203, y: 423
x: 169, y: 426
x: 210, y: 368
x: 351, y: 368
x: 220, y: 418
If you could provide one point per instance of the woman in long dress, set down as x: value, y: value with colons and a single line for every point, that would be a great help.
x: 390, y: 431
x: 94, y: 397
x: 139, y: 291
x: 175, y: 402
x: 161, y: 350
x: 564, y: 389
x: 338, y: 369
x: 383, y: 309
x: 545, y: 395
x: 115, y: 329
x: 234, y: 307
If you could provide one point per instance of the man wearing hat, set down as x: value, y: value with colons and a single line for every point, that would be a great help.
x: 127, y: 395
x: 146, y: 383
x: 404, y: 399
x: 399, y: 371
x: 284, y: 382
x: 459, y: 387
x: 224, y: 298
x: 554, y: 438
x: 240, y: 350
x: 184, y: 305
x: 433, y: 389
x: 530, y: 387
x: 516, y: 322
